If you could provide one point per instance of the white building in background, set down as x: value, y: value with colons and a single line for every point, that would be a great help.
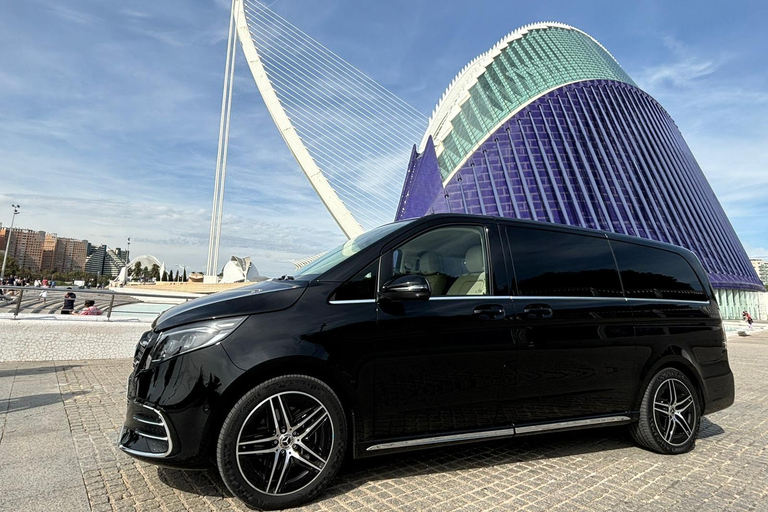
x: 239, y: 270
x: 106, y: 262
x: 761, y: 267
x: 145, y: 260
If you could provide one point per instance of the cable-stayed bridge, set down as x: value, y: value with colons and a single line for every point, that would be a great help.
x: 351, y: 137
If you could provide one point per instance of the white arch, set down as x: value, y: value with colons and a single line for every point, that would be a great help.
x: 145, y: 260
x: 343, y: 217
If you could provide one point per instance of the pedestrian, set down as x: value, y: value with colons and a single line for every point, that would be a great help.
x: 69, y: 303
x: 90, y: 309
x: 746, y: 316
x: 43, y: 296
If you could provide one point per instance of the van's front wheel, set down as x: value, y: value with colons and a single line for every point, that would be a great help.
x: 283, y: 442
x: 670, y: 414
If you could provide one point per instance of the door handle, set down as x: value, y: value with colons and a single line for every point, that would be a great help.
x: 489, y: 312
x: 538, y: 311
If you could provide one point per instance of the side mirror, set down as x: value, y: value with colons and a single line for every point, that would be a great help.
x: 409, y: 287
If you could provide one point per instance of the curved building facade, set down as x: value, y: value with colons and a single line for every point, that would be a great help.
x: 546, y: 126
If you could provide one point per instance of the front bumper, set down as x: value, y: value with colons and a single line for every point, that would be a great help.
x: 174, y: 407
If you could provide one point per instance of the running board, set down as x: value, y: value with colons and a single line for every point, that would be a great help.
x: 495, y: 434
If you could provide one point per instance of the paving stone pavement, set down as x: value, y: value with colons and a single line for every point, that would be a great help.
x: 590, y: 470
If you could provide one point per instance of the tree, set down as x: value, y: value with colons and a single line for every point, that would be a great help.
x: 155, y: 271
x: 136, y: 270
x: 177, y: 275
x: 11, y: 266
x: 165, y: 275
x: 184, y: 277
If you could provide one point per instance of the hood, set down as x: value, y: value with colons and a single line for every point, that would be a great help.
x: 255, y: 298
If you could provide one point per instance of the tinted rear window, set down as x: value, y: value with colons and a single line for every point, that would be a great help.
x: 648, y: 272
x: 555, y: 264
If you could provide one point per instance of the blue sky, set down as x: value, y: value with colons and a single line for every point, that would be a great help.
x: 109, y: 111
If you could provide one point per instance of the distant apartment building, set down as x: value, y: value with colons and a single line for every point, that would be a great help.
x: 26, y: 247
x: 106, y: 262
x: 39, y: 251
x: 761, y: 267
x: 64, y: 254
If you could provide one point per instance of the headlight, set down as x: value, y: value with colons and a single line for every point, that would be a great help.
x: 194, y: 336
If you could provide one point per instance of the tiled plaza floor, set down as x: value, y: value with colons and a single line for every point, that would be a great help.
x: 76, y: 408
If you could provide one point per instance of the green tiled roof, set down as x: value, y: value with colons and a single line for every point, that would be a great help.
x: 545, y: 57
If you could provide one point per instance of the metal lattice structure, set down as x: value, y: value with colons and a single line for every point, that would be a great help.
x: 350, y: 136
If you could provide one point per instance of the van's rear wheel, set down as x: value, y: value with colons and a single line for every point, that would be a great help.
x: 670, y: 414
x: 283, y: 442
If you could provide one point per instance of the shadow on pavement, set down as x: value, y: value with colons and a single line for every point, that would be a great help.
x: 709, y: 429
x: 33, y: 401
x: 19, y: 372
x: 205, y: 483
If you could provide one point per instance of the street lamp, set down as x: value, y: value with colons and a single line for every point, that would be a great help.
x: 8, y: 239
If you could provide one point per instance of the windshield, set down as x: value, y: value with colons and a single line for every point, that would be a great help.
x: 349, y: 248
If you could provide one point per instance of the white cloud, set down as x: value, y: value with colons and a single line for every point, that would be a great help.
x: 75, y: 15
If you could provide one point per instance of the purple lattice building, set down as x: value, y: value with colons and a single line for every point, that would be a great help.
x: 547, y: 126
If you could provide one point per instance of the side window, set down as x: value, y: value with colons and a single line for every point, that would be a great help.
x: 556, y: 264
x: 360, y: 287
x: 648, y: 272
x: 453, y: 260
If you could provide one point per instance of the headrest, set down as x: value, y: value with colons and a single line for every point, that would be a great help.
x: 429, y: 263
x: 474, y: 259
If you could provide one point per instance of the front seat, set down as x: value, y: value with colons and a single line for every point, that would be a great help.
x: 429, y: 267
x: 473, y: 282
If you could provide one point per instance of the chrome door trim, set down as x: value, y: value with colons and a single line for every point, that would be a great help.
x: 531, y: 298
x: 470, y: 297
x: 704, y: 302
x: 438, y: 297
x: 450, y: 438
x: 622, y: 299
x: 570, y: 424
x: 495, y: 434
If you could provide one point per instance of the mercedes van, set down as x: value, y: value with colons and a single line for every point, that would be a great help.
x: 430, y: 332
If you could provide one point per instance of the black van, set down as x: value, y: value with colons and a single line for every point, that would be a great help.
x: 441, y: 330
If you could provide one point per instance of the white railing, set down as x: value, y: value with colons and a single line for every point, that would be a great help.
x: 14, y: 295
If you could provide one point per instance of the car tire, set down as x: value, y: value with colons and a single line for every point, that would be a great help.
x: 670, y: 414
x: 283, y: 442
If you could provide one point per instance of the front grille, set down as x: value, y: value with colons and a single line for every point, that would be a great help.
x: 145, y: 432
x: 146, y: 341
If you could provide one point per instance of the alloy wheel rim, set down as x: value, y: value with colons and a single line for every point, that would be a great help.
x: 674, y: 412
x: 284, y: 443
